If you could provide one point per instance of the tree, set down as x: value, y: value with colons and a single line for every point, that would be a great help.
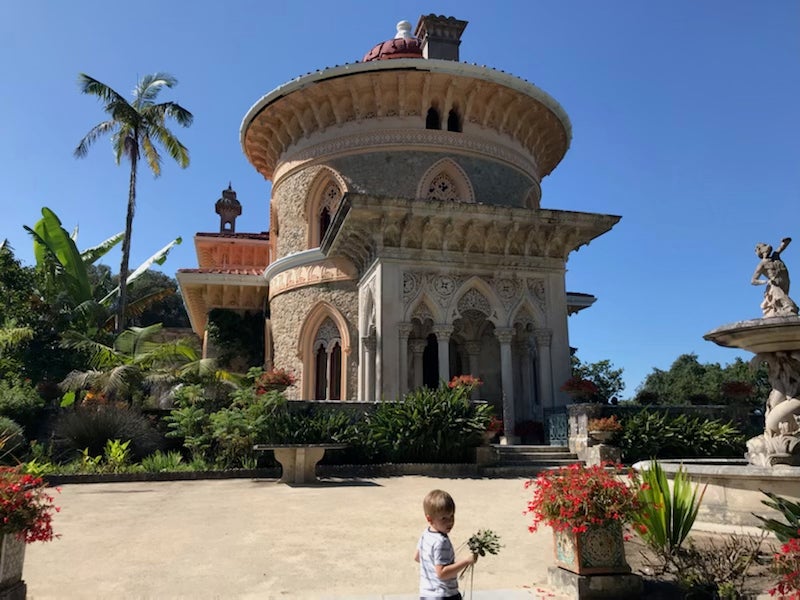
x: 689, y: 381
x: 135, y: 128
x: 602, y: 373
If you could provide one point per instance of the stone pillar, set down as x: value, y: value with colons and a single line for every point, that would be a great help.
x: 404, y: 330
x: 368, y: 343
x: 443, y: 333
x: 504, y: 335
x: 474, y: 351
x: 543, y: 338
x: 418, y: 348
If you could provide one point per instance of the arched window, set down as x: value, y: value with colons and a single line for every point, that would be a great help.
x: 453, y: 121
x: 445, y: 180
x: 432, y: 121
x: 327, y: 362
x: 324, y: 222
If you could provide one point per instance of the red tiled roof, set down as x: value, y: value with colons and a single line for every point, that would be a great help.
x: 222, y: 271
x: 264, y: 235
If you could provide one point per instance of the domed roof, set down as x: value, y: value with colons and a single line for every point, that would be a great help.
x: 402, y: 45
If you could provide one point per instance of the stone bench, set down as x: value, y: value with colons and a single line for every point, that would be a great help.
x: 298, y: 461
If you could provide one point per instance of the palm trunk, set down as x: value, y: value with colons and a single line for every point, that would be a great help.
x: 126, y: 249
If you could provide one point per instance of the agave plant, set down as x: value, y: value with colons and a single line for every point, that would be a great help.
x: 790, y: 511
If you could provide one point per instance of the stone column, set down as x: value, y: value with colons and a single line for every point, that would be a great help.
x: 474, y: 351
x: 443, y: 333
x: 418, y: 348
x: 368, y: 343
x: 504, y: 335
x: 543, y: 338
x: 404, y: 330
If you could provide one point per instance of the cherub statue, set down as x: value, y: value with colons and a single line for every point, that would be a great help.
x: 776, y: 297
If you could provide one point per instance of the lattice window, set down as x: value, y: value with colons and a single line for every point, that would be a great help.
x: 442, y: 187
x: 328, y: 362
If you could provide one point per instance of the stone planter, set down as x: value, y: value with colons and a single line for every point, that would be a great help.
x: 599, y: 550
x: 601, y: 436
x: 12, y: 556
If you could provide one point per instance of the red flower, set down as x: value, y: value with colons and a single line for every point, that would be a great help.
x: 464, y: 381
x: 580, y: 389
x: 576, y: 496
x: 26, y: 507
x: 786, y: 563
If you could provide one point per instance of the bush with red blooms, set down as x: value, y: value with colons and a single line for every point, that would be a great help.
x: 464, y: 381
x: 604, y: 424
x: 272, y: 379
x: 786, y: 563
x: 581, y: 390
x: 26, y: 506
x: 577, y: 497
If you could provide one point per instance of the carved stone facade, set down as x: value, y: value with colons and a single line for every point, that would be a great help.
x: 407, y: 243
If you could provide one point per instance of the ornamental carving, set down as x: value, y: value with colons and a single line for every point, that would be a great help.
x: 422, y: 313
x: 399, y: 137
x: 473, y: 300
x: 309, y: 275
x: 442, y: 188
x: 411, y: 285
x: 443, y: 287
x: 327, y: 334
x: 507, y: 289
x: 536, y: 288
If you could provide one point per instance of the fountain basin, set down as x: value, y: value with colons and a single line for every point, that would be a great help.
x: 734, y: 490
x: 774, y: 334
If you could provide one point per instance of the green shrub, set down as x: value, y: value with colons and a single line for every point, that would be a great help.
x: 13, y: 445
x: 20, y: 402
x: 91, y: 429
x: 790, y: 511
x: 440, y: 425
x: 164, y: 462
x: 667, y: 513
x: 650, y: 434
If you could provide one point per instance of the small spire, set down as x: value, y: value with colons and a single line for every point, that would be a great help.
x: 403, y: 31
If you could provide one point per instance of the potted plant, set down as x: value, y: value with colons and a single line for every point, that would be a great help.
x: 580, y: 390
x: 603, y: 429
x: 26, y: 513
x: 586, y: 507
x: 493, y: 429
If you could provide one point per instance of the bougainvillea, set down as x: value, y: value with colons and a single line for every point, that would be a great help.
x: 576, y: 497
x: 26, y: 506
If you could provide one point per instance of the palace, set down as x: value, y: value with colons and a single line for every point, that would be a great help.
x: 407, y: 243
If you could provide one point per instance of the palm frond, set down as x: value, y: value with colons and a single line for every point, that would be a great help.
x: 139, y: 306
x: 149, y: 86
x: 176, y: 150
x: 151, y: 155
x: 120, y: 379
x: 76, y: 381
x: 12, y: 336
x: 93, y: 87
x: 102, y: 355
x: 160, y: 112
x: 82, y: 149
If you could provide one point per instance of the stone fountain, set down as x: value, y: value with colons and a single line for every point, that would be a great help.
x: 775, y: 340
x: 772, y: 461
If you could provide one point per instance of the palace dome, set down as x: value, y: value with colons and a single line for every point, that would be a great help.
x: 402, y: 45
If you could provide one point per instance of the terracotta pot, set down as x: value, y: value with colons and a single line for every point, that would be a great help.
x: 12, y: 556
x: 599, y: 550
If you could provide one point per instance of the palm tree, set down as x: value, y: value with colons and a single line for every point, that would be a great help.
x: 135, y: 127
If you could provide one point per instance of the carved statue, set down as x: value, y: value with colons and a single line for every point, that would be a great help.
x: 776, y: 301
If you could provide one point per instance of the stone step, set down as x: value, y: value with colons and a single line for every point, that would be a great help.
x: 560, y: 460
x: 531, y: 470
x: 531, y: 448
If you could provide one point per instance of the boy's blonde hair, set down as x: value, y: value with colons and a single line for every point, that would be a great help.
x: 438, y: 503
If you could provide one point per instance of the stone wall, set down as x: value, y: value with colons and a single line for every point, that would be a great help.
x: 289, y: 199
x: 288, y: 313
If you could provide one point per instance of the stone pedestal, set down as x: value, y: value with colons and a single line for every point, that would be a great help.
x: 601, y: 453
x: 620, y: 586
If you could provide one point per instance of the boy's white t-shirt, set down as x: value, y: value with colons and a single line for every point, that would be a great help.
x: 435, y: 549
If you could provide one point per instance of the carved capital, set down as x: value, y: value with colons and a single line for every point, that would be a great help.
x: 543, y: 337
x: 443, y: 332
x: 504, y: 334
x: 404, y: 329
x: 417, y: 346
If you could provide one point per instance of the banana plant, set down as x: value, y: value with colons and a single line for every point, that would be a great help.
x: 66, y: 269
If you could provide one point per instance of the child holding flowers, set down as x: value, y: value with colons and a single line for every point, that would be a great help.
x: 438, y: 568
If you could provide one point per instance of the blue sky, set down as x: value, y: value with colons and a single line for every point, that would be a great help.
x: 685, y: 114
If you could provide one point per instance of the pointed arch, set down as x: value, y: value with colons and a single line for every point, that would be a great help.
x: 324, y: 335
x: 527, y: 311
x: 465, y: 300
x: 324, y: 195
x: 423, y: 307
x: 446, y: 180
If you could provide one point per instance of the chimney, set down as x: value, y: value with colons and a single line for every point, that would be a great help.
x: 228, y: 208
x: 440, y: 36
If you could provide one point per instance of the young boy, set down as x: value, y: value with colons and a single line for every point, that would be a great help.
x: 438, y: 569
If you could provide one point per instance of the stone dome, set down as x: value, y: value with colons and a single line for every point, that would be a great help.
x: 402, y: 45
